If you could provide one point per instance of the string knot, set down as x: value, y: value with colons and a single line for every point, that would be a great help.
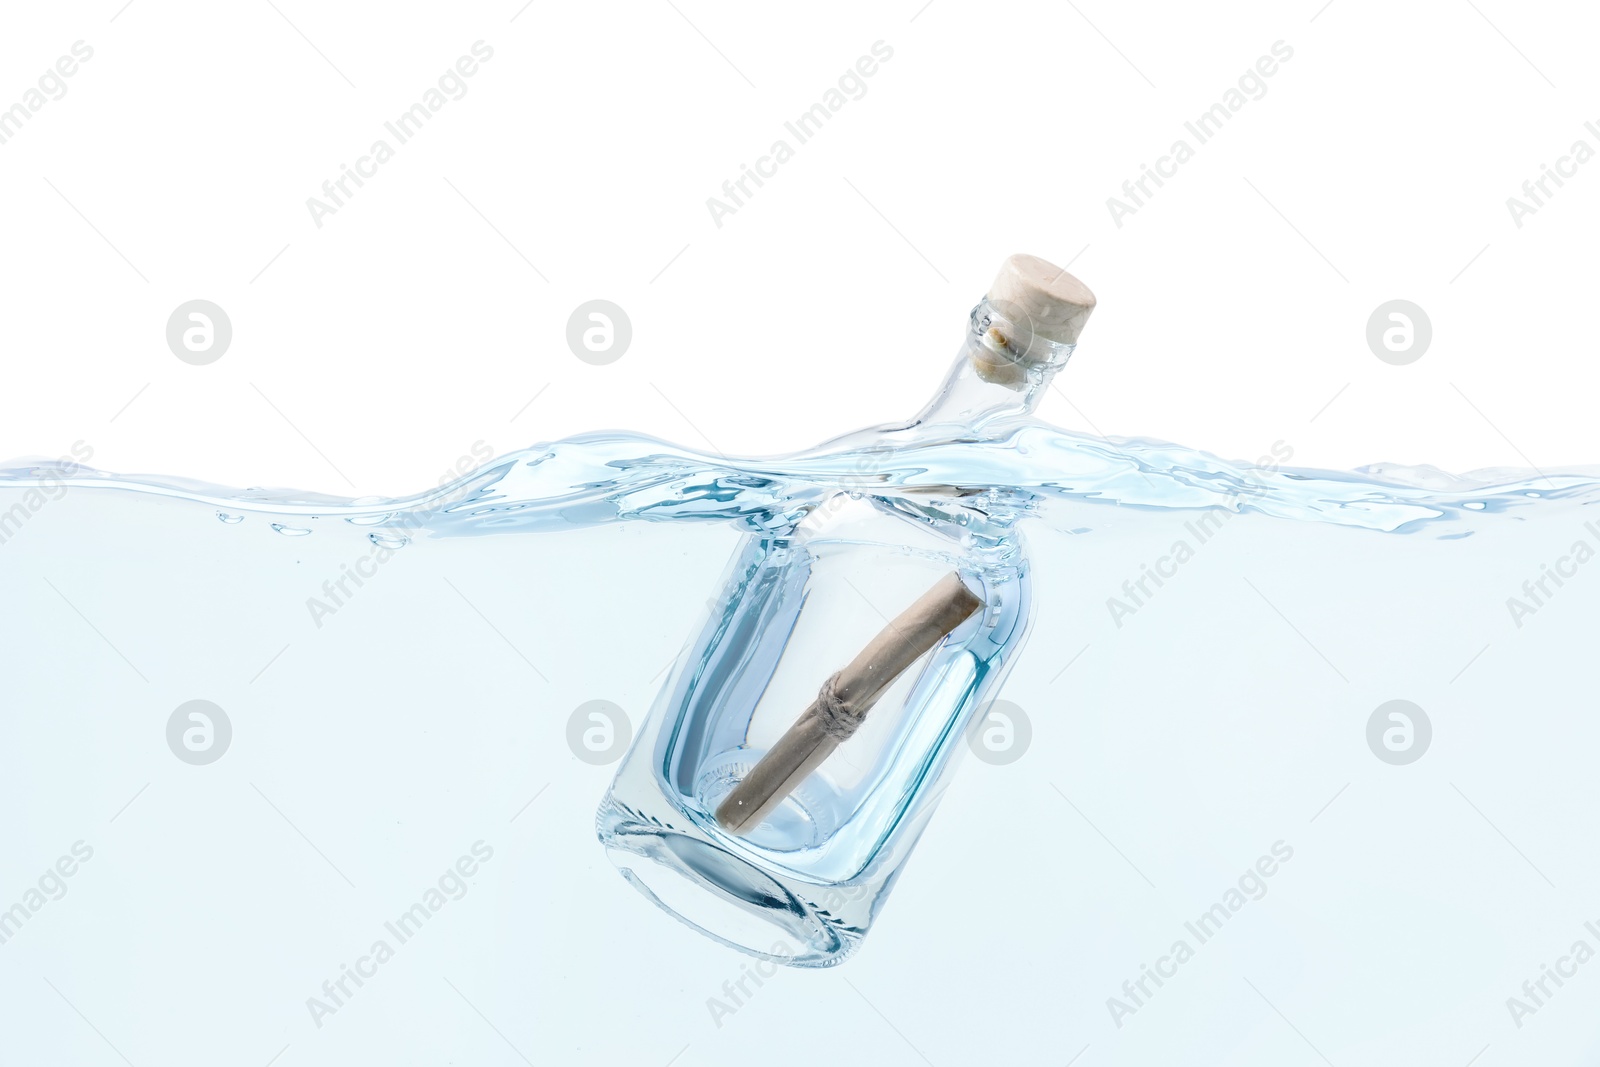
x: 839, y: 720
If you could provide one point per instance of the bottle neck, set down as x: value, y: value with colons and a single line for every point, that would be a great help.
x: 1001, y: 372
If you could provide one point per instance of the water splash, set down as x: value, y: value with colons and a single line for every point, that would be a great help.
x: 1043, y: 471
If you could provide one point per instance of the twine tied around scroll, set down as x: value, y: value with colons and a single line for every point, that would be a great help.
x: 839, y: 720
x: 844, y: 701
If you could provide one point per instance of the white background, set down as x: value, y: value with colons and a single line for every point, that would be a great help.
x: 415, y: 322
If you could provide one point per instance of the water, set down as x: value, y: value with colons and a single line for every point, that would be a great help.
x: 1211, y: 642
x: 599, y: 478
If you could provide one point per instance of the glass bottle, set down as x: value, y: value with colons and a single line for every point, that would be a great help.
x: 804, y: 885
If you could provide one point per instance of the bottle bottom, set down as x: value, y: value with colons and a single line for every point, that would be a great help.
x: 719, y: 894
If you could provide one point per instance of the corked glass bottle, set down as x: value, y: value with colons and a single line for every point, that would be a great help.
x: 771, y: 798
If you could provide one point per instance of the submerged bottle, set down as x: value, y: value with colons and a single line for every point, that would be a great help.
x: 772, y: 798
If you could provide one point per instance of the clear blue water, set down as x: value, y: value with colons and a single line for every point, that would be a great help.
x: 1179, y: 728
x: 600, y: 478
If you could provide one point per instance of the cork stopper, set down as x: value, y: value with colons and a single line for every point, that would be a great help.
x: 1054, y: 304
x: 1039, y: 302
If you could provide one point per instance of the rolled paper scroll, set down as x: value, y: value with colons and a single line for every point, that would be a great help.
x: 843, y: 702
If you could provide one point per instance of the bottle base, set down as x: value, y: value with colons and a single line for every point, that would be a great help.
x: 719, y: 894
